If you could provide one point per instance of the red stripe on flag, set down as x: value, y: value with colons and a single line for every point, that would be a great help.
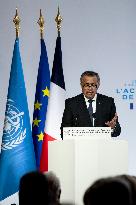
x: 44, y: 153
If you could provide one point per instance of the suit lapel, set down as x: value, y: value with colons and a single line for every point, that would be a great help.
x: 98, y: 109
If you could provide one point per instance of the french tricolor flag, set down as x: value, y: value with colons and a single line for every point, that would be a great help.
x: 56, y: 104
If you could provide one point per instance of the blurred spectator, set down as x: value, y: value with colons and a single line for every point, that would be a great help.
x: 118, y: 190
x: 54, y: 188
x: 33, y: 189
x: 132, y: 182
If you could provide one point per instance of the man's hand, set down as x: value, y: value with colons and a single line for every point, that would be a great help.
x: 112, y: 123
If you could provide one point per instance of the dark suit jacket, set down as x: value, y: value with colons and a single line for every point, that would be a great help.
x: 76, y: 113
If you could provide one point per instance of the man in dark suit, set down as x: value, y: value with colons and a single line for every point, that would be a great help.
x: 91, y: 108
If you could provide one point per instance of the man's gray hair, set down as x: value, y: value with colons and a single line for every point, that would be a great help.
x: 90, y: 73
x: 54, y: 187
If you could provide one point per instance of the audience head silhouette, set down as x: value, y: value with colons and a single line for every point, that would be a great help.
x: 54, y: 188
x: 33, y: 189
x: 111, y: 191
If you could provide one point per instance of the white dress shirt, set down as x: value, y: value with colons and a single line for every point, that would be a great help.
x: 93, y: 104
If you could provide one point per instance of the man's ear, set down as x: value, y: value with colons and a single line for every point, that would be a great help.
x: 81, y: 84
x: 98, y: 85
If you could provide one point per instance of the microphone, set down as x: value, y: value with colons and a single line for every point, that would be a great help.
x: 94, y: 115
x: 94, y: 118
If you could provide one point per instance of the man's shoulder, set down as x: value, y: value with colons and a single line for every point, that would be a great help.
x: 104, y: 97
x: 75, y: 98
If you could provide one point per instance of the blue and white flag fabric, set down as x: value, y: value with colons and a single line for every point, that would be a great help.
x: 17, y: 151
x: 56, y: 105
x: 41, y: 102
x: 56, y: 102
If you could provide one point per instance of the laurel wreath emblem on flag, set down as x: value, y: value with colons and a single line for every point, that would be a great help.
x: 13, y: 133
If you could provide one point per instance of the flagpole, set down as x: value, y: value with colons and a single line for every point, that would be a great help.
x: 41, y: 96
x: 41, y: 24
x: 17, y: 151
x: 17, y: 21
x: 58, y: 20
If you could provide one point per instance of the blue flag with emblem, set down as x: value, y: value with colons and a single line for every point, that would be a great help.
x: 17, y: 152
x: 41, y: 102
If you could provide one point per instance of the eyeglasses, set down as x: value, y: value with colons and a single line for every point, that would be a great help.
x: 90, y: 85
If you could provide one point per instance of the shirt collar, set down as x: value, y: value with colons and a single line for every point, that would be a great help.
x: 94, y: 99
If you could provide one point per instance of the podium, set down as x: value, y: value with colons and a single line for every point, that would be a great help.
x: 79, y: 162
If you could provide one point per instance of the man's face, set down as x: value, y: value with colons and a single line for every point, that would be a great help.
x: 89, y: 86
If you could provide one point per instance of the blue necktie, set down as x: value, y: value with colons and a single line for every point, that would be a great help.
x: 90, y: 109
